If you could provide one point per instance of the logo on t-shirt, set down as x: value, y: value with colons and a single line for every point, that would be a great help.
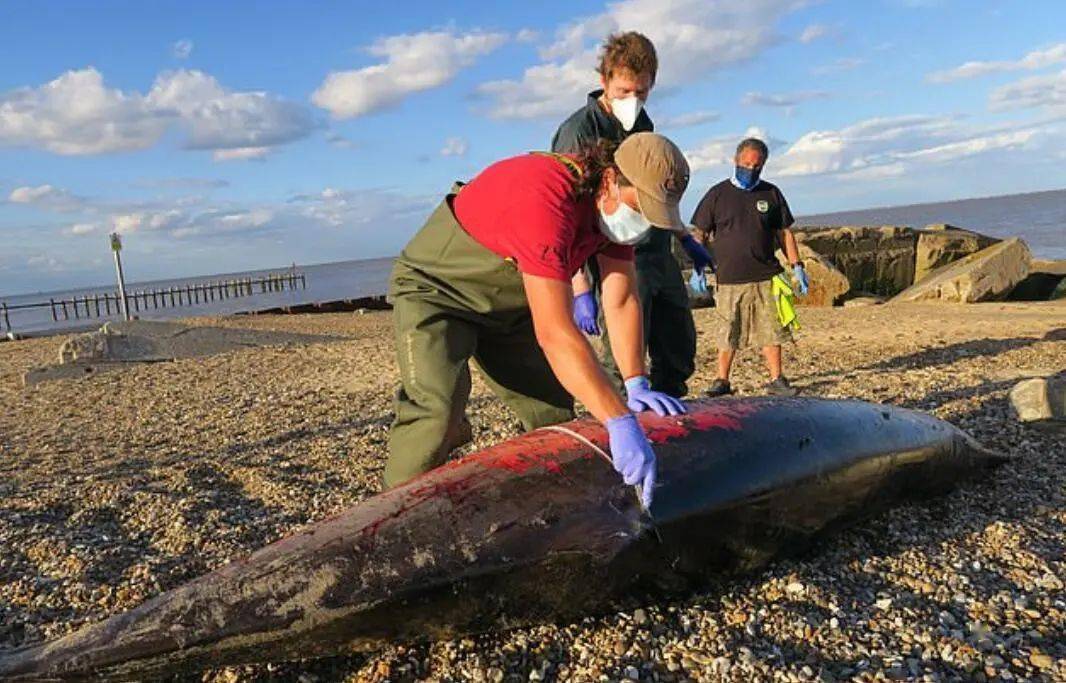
x: 762, y: 206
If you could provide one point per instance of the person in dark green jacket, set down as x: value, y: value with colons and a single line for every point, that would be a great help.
x: 628, y: 65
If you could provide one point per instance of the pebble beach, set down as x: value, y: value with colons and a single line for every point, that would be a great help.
x: 116, y: 487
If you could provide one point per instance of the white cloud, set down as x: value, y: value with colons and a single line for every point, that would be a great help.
x: 30, y: 195
x: 219, y: 119
x: 813, y: 32
x: 181, y: 49
x: 164, y: 219
x: 1033, y: 92
x: 951, y: 151
x: 352, y: 208
x: 527, y: 35
x: 76, y: 114
x: 454, y: 147
x: 687, y: 120
x: 783, y: 100
x: 883, y: 147
x: 84, y: 228
x: 545, y: 90
x: 126, y: 223
x: 46, y: 196
x: 45, y: 262
x: 1037, y: 59
x: 880, y: 148
x: 412, y: 63
x: 718, y: 152
x: 220, y: 235
x: 693, y: 39
x: 240, y: 153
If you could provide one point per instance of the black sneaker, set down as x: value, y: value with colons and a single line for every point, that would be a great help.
x: 781, y: 387
x: 719, y: 387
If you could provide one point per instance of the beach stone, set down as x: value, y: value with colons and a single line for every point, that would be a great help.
x: 1041, y: 401
x: 879, y: 260
x: 1043, y: 280
x: 988, y: 275
x: 858, y: 301
x: 828, y: 285
x: 941, y: 244
x: 1041, y: 660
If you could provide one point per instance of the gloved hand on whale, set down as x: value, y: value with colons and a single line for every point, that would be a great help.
x: 631, y: 455
x: 631, y: 452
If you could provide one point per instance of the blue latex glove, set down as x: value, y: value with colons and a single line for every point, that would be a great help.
x: 585, y: 314
x: 697, y: 282
x: 642, y: 398
x: 801, y: 278
x: 631, y: 454
x: 701, y: 258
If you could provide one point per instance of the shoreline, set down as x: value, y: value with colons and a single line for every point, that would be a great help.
x: 118, y: 486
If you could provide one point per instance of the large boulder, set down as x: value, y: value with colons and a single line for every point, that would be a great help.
x: 1041, y: 402
x: 988, y: 275
x: 879, y: 260
x: 941, y: 244
x: 1043, y: 280
x: 828, y: 286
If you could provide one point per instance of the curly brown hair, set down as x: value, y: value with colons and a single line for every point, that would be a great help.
x: 595, y: 158
x: 629, y: 51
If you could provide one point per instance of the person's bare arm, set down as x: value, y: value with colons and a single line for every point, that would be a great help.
x: 568, y: 352
x: 788, y: 243
x: 579, y: 283
x: 621, y: 308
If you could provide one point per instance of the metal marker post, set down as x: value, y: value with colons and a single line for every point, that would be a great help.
x: 116, y: 246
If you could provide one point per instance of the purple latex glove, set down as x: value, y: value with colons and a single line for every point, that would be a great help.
x: 641, y: 398
x: 632, y: 455
x: 701, y: 258
x: 801, y: 278
x: 585, y: 314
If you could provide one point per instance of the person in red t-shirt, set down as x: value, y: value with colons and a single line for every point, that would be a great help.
x: 488, y: 278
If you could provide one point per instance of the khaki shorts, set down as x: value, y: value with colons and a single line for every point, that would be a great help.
x: 748, y: 316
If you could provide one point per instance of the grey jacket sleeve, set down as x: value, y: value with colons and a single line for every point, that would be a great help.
x: 573, y: 134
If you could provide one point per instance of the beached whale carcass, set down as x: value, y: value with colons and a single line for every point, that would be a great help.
x: 537, y: 528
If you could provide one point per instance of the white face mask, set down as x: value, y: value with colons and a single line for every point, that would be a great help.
x: 624, y: 226
x: 627, y: 110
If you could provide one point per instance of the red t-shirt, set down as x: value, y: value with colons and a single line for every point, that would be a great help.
x: 525, y: 208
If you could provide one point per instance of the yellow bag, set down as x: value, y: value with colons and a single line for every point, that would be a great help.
x: 784, y: 297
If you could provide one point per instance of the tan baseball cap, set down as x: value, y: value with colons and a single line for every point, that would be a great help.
x: 657, y: 168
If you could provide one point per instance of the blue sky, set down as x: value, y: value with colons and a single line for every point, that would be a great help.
x: 228, y: 136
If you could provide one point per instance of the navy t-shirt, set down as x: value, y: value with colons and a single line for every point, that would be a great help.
x: 746, y: 226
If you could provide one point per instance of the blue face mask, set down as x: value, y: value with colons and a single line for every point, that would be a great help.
x: 747, y: 178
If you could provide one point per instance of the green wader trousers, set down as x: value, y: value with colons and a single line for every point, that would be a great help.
x: 669, y: 331
x: 453, y: 301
